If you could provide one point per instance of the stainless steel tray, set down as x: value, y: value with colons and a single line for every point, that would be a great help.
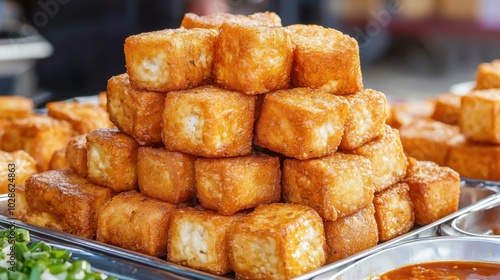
x: 475, y: 195
x: 423, y: 250
x: 106, y: 263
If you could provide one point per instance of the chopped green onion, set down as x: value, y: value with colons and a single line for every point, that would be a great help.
x: 21, y: 249
x: 57, y: 268
x: 60, y: 254
x: 16, y: 275
x: 36, y: 271
x: 38, y: 260
x: 22, y: 235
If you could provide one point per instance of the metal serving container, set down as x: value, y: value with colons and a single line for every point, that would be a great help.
x: 110, y: 265
x: 484, y: 222
x: 424, y: 250
x: 474, y: 195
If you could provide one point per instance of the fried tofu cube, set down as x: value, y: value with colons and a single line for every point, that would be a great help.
x: 135, y: 112
x: 365, y: 120
x: 44, y: 219
x: 480, y: 116
x: 407, y: 112
x: 112, y: 159
x: 351, y: 234
x: 229, y: 185
x: 58, y: 160
x: 335, y: 186
x: 70, y: 200
x: 15, y: 107
x: 427, y: 139
x: 434, y: 190
x: 301, y: 123
x: 76, y: 155
x: 198, y: 238
x: 22, y: 207
x: 170, y: 59
x: 83, y: 117
x: 165, y: 175
x: 277, y: 241
x: 208, y: 121
x: 24, y: 213
x: 488, y: 75
x: 387, y: 157
x: 394, y: 211
x: 253, y: 59
x: 215, y: 20
x: 135, y: 222
x: 38, y: 135
x: 474, y: 160
x: 390, y: 116
x: 447, y: 108
x: 326, y: 59
x: 15, y: 168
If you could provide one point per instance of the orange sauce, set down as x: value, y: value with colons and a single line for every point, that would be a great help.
x: 450, y: 270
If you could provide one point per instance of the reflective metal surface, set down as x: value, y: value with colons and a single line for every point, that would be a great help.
x: 424, y: 250
x: 107, y: 264
x: 474, y: 195
x: 132, y: 259
x: 484, y: 222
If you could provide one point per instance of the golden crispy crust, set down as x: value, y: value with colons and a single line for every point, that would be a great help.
x: 351, y: 234
x: 326, y: 59
x: 387, y: 157
x: 112, y: 159
x: 76, y: 154
x: 40, y: 136
x: 394, y: 211
x: 324, y: 184
x: 83, y: 117
x: 262, y: 56
x: 135, y: 112
x: 473, y: 160
x: 71, y: 200
x: 229, y: 185
x: 277, y: 241
x: 209, y: 121
x: 426, y: 139
x: 133, y: 221
x: 13, y: 107
x: 165, y: 175
x: 488, y: 75
x: 58, y: 160
x: 23, y: 166
x: 434, y: 190
x: 447, y: 108
x: 171, y: 59
x: 214, y: 21
x: 406, y: 112
x: 365, y: 120
x: 480, y: 116
x: 301, y: 123
x: 198, y: 238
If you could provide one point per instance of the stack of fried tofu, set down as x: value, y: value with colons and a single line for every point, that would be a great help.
x: 463, y: 132
x: 241, y: 145
x: 45, y: 136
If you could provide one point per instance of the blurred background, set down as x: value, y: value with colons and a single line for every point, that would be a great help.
x: 59, y: 49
